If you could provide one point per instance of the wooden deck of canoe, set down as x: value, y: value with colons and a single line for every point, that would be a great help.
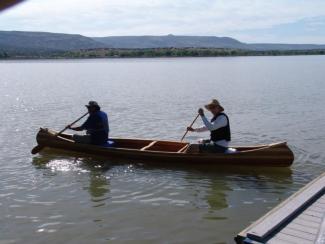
x: 299, y: 219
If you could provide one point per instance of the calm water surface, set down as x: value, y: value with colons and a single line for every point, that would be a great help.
x: 66, y: 198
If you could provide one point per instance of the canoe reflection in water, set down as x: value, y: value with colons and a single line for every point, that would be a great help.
x: 225, y: 187
x: 110, y: 182
x: 99, y: 185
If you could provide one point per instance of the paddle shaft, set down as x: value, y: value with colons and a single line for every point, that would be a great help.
x: 190, y: 126
x: 38, y: 148
x: 63, y: 130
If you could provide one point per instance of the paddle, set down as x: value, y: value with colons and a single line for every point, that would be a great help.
x: 38, y: 148
x: 190, y: 126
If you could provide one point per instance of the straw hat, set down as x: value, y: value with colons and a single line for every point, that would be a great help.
x: 214, y: 103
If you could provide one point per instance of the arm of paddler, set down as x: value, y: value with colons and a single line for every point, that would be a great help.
x: 201, y: 129
x: 84, y: 126
x: 79, y: 128
x: 221, y: 121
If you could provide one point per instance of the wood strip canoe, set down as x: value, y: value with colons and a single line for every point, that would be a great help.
x: 276, y: 154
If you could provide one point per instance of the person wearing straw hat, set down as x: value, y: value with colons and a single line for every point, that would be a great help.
x: 218, y: 126
x: 96, y: 125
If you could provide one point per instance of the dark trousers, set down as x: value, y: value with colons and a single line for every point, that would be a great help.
x: 209, y: 147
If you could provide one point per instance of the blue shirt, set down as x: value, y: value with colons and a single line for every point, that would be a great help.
x: 97, y: 127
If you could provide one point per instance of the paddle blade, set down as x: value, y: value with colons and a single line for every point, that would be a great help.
x: 37, y: 149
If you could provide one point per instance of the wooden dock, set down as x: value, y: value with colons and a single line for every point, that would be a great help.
x: 298, y: 219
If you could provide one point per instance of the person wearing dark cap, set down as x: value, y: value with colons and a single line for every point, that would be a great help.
x: 96, y: 126
x: 218, y: 126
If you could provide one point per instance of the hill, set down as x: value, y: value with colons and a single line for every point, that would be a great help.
x: 18, y: 41
x: 46, y: 44
x: 170, y: 41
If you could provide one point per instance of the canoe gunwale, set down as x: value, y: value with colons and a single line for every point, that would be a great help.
x: 254, y: 148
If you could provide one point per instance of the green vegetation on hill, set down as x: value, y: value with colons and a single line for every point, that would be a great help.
x: 181, y: 52
x: 155, y: 52
x: 3, y: 55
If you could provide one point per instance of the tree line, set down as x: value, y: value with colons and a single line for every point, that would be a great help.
x: 159, y: 52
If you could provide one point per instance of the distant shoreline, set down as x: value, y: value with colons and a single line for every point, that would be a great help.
x: 47, y: 45
x: 150, y: 53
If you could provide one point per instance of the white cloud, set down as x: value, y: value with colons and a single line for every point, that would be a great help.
x: 156, y: 17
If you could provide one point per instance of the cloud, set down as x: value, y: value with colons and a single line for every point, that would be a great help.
x: 158, y: 17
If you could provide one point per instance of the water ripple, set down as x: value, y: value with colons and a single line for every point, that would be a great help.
x: 63, y: 197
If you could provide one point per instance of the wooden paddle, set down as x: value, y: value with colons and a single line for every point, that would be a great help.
x: 38, y: 148
x: 190, y: 126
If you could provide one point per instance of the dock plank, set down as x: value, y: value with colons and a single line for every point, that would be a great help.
x: 278, y: 241
x: 286, y: 210
x: 299, y: 234
x: 322, y: 200
x: 314, y: 213
x: 292, y: 239
x: 310, y: 218
x: 321, y: 234
x: 298, y: 219
x: 305, y: 223
x: 316, y: 209
x: 302, y: 228
x: 319, y: 205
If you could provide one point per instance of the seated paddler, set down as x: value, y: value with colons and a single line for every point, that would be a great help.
x: 96, y: 126
x: 218, y: 126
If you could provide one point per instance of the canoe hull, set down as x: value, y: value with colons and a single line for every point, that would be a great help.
x: 278, y: 155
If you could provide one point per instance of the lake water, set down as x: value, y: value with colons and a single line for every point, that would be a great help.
x: 65, y: 198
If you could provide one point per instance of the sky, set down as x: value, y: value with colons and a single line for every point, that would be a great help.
x: 254, y: 21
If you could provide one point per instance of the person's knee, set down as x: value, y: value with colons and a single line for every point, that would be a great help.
x: 193, y: 148
x: 82, y: 139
